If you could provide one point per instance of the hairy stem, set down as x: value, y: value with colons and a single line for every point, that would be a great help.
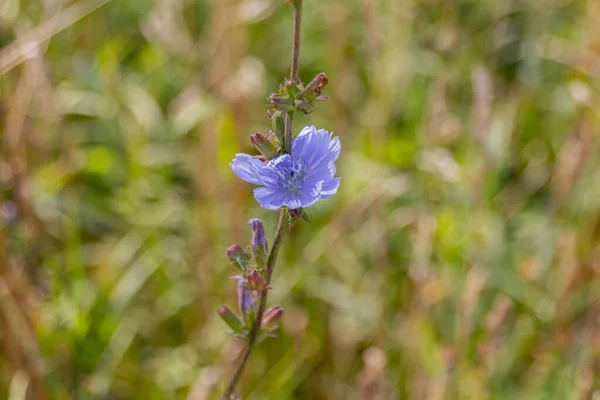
x: 297, y: 4
x: 254, y: 332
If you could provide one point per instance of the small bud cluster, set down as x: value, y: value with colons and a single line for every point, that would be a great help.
x: 290, y: 97
x: 251, y: 262
x: 293, y: 96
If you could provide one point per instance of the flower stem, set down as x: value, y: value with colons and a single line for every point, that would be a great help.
x: 297, y: 4
x: 254, y: 332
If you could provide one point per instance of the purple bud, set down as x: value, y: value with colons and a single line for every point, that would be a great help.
x: 245, y: 300
x: 271, y: 317
x: 259, y: 241
x: 234, y: 251
x: 264, y: 144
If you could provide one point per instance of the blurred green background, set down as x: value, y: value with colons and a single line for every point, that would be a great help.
x: 459, y: 260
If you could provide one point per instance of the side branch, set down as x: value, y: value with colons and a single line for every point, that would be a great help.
x: 255, y: 331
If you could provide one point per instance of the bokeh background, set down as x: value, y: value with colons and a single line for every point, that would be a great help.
x: 459, y: 260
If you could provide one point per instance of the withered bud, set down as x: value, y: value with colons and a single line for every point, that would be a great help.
x: 305, y: 106
x: 297, y: 214
x: 271, y: 317
x: 315, y: 86
x: 256, y: 281
x: 234, y: 322
x: 263, y: 144
x: 238, y: 256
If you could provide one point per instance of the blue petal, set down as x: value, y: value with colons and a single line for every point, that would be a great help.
x: 275, y: 171
x: 309, y: 194
x: 321, y: 173
x: 247, y: 168
x: 327, y: 154
x: 310, y: 144
x: 270, y: 198
x: 330, y: 188
x: 318, y: 151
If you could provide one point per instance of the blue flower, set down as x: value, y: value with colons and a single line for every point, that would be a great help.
x: 296, y: 180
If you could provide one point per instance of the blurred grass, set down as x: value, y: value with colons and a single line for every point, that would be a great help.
x: 460, y: 258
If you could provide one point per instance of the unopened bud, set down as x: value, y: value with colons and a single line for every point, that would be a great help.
x: 313, y: 89
x: 234, y: 322
x: 305, y: 106
x: 271, y: 317
x: 245, y: 300
x: 278, y: 125
x: 264, y: 145
x: 281, y: 103
x: 259, y: 241
x: 256, y: 281
x: 238, y: 256
x: 289, y: 88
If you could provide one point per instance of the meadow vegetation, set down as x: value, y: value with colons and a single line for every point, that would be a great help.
x: 460, y: 258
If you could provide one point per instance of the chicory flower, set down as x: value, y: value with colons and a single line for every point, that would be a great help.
x: 297, y: 180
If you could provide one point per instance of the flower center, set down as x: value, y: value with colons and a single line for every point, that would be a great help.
x: 295, y: 176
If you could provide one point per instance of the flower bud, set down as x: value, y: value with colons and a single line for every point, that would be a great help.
x: 289, y: 88
x: 313, y: 89
x: 271, y: 317
x: 259, y: 241
x: 305, y: 106
x: 295, y: 214
x: 264, y: 145
x: 278, y: 125
x: 238, y: 257
x: 245, y: 300
x: 281, y: 103
x: 256, y: 281
x: 234, y: 322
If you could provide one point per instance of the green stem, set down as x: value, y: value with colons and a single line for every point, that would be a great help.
x: 297, y: 4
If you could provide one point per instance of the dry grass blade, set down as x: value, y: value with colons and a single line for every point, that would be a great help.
x: 27, y: 45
